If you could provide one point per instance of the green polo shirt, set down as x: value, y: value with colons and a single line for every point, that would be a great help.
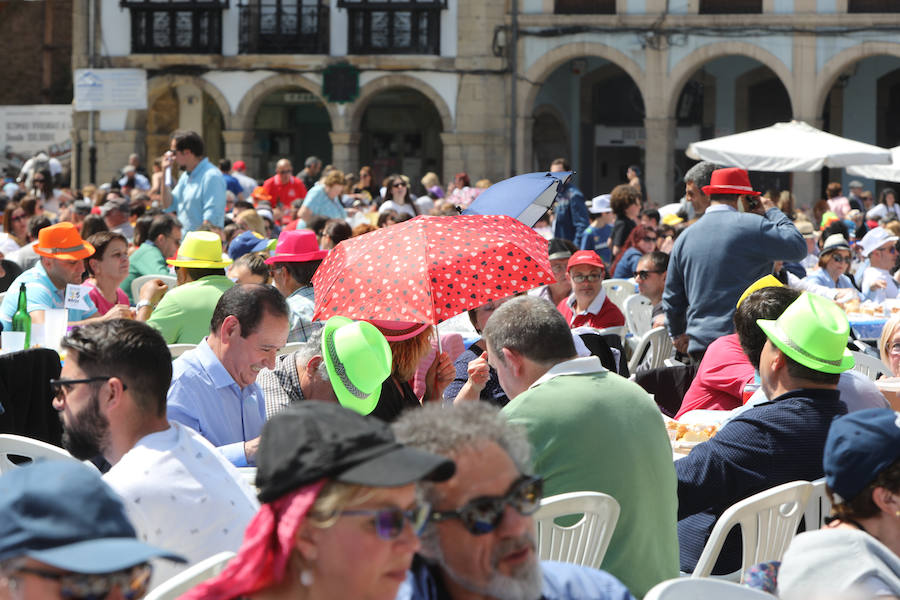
x: 183, y: 315
x: 146, y: 260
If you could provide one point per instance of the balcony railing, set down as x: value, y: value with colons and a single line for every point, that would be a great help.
x: 394, y: 26
x: 584, y: 7
x: 176, y: 26
x: 275, y: 27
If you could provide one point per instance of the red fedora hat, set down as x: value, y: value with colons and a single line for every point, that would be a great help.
x: 297, y: 246
x: 730, y: 181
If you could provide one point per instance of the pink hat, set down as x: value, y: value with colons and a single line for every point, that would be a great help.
x: 297, y: 246
x: 239, y: 165
x: 730, y: 181
x: 585, y: 257
x: 397, y: 331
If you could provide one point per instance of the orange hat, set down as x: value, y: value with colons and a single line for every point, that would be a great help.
x: 62, y: 241
x: 260, y: 193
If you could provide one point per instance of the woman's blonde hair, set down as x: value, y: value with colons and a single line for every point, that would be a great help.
x: 334, y: 177
x: 252, y: 221
x: 886, y: 334
x: 409, y: 353
x: 430, y: 179
x: 334, y: 498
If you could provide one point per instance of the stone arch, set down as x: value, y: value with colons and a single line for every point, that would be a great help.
x: 842, y: 61
x: 374, y: 87
x: 247, y: 109
x: 689, y: 65
x: 549, y: 62
x: 158, y: 85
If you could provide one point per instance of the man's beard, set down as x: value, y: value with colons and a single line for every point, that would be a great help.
x: 525, y: 583
x: 86, y: 435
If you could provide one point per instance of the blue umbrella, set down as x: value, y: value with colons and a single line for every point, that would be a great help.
x: 523, y: 197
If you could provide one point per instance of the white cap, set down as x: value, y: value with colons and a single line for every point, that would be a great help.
x: 600, y: 204
x: 875, y: 239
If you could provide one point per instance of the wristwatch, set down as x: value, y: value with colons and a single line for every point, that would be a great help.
x: 142, y: 303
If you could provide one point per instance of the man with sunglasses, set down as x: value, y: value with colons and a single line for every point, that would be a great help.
x: 650, y: 275
x: 479, y: 542
x: 179, y: 492
x: 582, y: 420
x: 588, y: 304
x: 65, y: 535
x: 880, y: 247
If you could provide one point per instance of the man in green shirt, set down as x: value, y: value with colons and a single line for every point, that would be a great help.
x: 184, y: 314
x: 591, y: 430
x: 163, y: 238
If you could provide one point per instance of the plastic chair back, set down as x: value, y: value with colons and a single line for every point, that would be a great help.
x: 703, y: 589
x: 818, y: 507
x: 618, y: 290
x: 869, y: 366
x: 17, y: 445
x: 584, y: 543
x: 177, y: 350
x: 660, y: 348
x: 638, y: 314
x: 768, y: 522
x: 137, y: 282
x: 190, y: 577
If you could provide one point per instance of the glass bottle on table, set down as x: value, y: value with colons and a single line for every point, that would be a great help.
x: 21, y: 320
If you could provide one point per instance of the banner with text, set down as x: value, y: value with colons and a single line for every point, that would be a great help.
x: 27, y: 130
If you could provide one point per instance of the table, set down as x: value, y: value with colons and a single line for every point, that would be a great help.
x: 867, y: 327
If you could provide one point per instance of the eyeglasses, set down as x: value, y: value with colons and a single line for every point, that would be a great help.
x: 650, y: 239
x: 389, y: 522
x: 889, y: 250
x: 592, y: 277
x: 18, y: 218
x: 483, y: 515
x: 63, y: 387
x: 39, y: 180
x: 398, y: 185
x: 132, y: 582
x: 644, y: 274
x: 840, y: 259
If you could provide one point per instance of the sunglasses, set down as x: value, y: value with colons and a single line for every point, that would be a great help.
x: 389, y: 522
x: 650, y: 239
x: 398, y: 185
x: 483, y: 515
x: 582, y: 278
x: 63, y: 387
x: 644, y: 274
x: 132, y: 583
x: 840, y: 259
x: 18, y: 218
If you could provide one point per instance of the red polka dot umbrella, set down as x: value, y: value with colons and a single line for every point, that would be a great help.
x: 429, y: 269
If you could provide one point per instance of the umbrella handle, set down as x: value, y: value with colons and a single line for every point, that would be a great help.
x: 438, y: 334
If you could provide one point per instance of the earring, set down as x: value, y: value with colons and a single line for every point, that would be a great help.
x: 306, y: 578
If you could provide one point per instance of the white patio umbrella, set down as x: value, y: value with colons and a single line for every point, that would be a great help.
x: 794, y: 146
x: 889, y: 172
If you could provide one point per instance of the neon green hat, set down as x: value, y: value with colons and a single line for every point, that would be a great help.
x: 358, y: 359
x: 813, y: 331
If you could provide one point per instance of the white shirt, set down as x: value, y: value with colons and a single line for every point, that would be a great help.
x: 873, y: 274
x: 575, y: 366
x: 182, y: 495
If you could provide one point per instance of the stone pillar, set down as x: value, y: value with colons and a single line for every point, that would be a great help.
x: 660, y: 159
x: 452, y: 151
x: 525, y: 146
x: 238, y: 143
x: 345, y: 150
x: 113, y: 148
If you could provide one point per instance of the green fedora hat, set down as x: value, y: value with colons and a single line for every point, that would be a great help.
x: 813, y: 331
x: 358, y: 359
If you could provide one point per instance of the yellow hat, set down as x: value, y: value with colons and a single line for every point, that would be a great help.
x: 672, y: 219
x: 763, y: 282
x: 200, y: 250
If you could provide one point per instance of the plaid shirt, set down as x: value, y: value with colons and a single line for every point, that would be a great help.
x: 302, y: 303
x: 281, y: 385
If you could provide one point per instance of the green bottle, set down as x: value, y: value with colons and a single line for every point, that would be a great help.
x: 21, y: 320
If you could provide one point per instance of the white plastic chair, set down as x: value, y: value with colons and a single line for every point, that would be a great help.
x: 291, y: 347
x: 703, y: 589
x: 177, y: 350
x: 248, y: 474
x: 18, y: 445
x: 585, y: 542
x: 818, y: 507
x: 638, y: 314
x: 657, y: 340
x: 869, y: 366
x: 768, y: 522
x: 137, y: 282
x: 190, y: 577
x: 618, y: 290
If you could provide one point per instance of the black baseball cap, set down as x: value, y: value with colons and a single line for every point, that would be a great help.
x: 314, y: 440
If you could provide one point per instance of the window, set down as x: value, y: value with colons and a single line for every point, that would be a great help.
x: 584, y: 7
x: 284, y: 27
x: 170, y: 26
x: 873, y: 6
x: 394, y: 27
x: 723, y: 7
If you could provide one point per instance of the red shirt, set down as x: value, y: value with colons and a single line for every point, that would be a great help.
x: 608, y: 314
x: 285, y: 193
x: 721, y: 377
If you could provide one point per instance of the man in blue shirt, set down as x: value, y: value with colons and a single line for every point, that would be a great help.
x: 214, y: 387
x: 199, y: 195
x: 62, y: 253
x: 570, y: 212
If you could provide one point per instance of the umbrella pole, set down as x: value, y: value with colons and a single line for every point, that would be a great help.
x: 438, y: 335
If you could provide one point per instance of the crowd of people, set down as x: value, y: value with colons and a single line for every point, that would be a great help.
x: 389, y: 465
